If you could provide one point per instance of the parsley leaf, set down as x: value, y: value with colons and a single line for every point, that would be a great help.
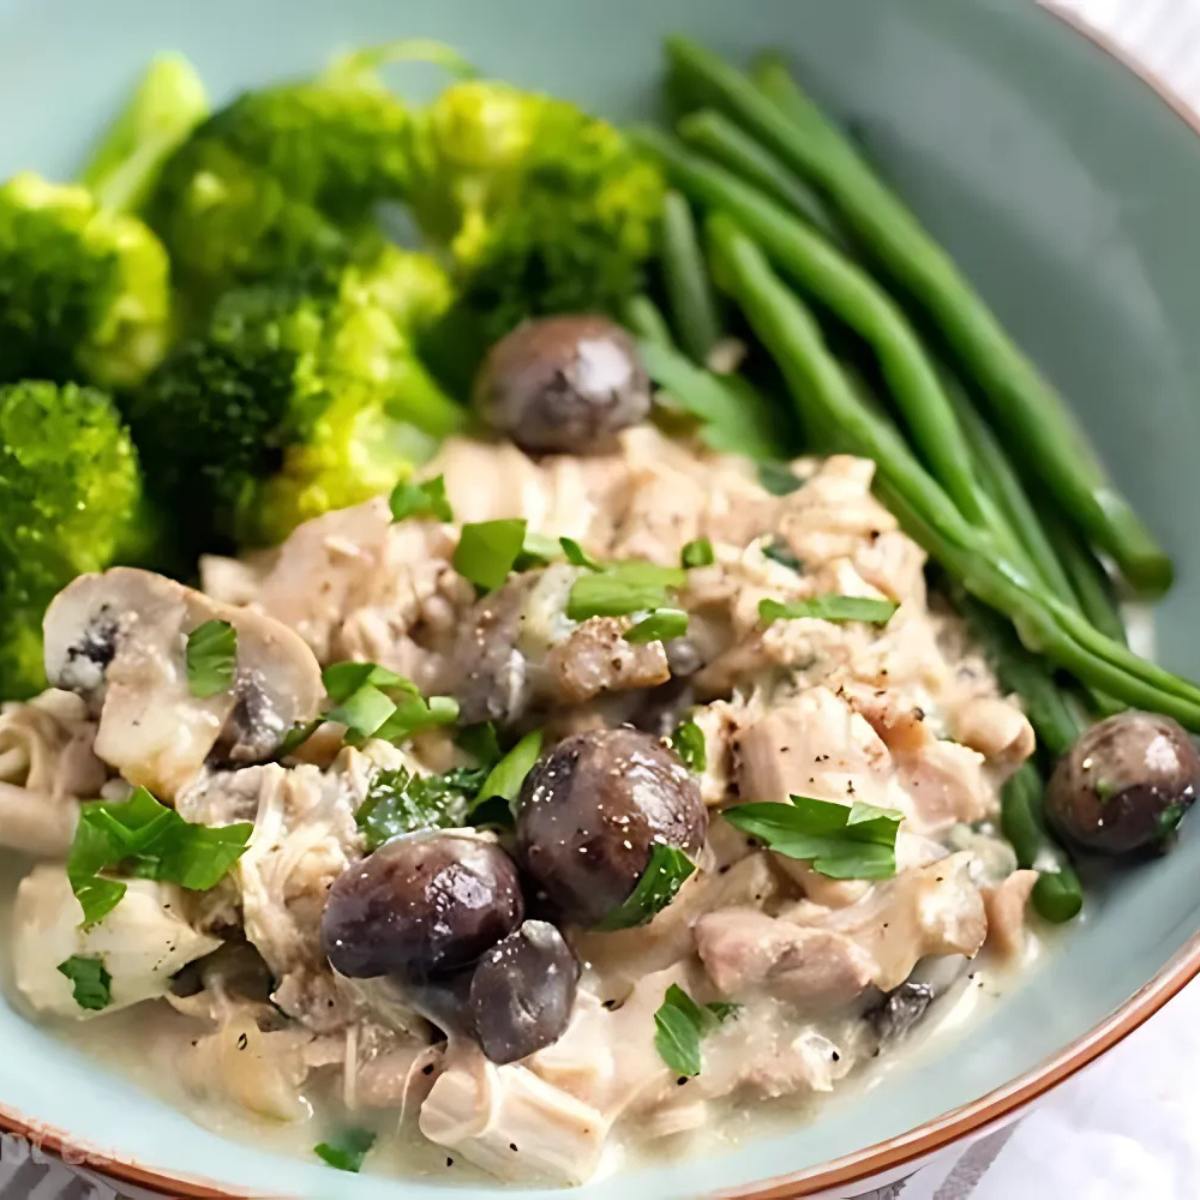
x: 778, y: 552
x: 577, y: 555
x: 372, y: 701
x: 660, y: 626
x: 92, y: 982
x: 506, y: 777
x: 211, y: 658
x: 144, y: 838
x: 399, y: 802
x: 779, y: 479
x: 664, y: 875
x: 839, y: 840
x: 690, y: 745
x: 829, y: 608
x: 347, y: 1151
x: 698, y: 553
x: 537, y: 549
x: 680, y: 1024
x: 426, y: 499
x: 487, y: 551
x: 621, y: 589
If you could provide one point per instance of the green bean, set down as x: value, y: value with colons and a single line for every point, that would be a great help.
x: 998, y: 477
x: 689, y: 294
x: 1090, y: 583
x: 720, y: 139
x: 1057, y: 895
x: 1031, y: 413
x: 1056, y: 721
x: 815, y: 382
x: 849, y: 292
x: 645, y: 318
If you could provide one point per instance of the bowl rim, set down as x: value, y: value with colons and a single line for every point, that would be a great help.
x: 892, y: 1155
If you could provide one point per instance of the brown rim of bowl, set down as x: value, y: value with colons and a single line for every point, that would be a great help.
x: 892, y: 1155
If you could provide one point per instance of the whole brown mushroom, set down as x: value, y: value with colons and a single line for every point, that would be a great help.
x: 423, y: 904
x: 592, y: 811
x: 563, y: 385
x: 1125, y: 783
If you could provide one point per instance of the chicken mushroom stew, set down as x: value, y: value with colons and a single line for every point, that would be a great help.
x: 559, y: 749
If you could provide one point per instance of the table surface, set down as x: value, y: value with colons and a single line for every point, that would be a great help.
x: 1126, y: 1128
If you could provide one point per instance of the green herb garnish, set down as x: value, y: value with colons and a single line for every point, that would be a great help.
x: 400, y: 802
x: 487, y: 551
x: 144, y: 838
x: 778, y: 552
x: 506, y: 777
x: 347, y: 1151
x: 698, y: 553
x: 372, y: 701
x: 660, y: 626
x: 828, y: 608
x: 839, y: 840
x: 426, y: 499
x: 779, y: 479
x: 211, y: 658
x: 622, y: 589
x: 690, y: 745
x: 664, y: 875
x: 679, y: 1026
x: 91, y: 981
x: 577, y: 555
x: 481, y: 742
x: 536, y: 550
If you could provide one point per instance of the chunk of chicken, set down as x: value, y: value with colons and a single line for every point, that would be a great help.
x: 1005, y: 904
x: 930, y: 910
x: 142, y: 942
x: 745, y: 951
x: 597, y: 658
x: 511, y: 1122
x: 119, y: 640
x: 997, y: 728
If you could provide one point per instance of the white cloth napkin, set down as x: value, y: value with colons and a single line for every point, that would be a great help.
x: 1128, y: 1127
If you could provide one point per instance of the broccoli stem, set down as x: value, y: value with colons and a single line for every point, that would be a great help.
x: 168, y: 103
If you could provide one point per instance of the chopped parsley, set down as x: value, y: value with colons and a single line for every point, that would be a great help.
x: 690, y: 745
x: 680, y: 1024
x: 506, y: 777
x: 372, y: 701
x: 779, y: 479
x: 622, y: 589
x: 211, y: 657
x: 577, y: 555
x: 660, y: 626
x: 828, y: 608
x: 778, y: 551
x: 488, y: 550
x: 665, y: 874
x: 144, y: 838
x: 426, y: 499
x: 698, y: 553
x: 400, y: 802
x: 91, y: 981
x: 840, y: 841
x: 347, y: 1151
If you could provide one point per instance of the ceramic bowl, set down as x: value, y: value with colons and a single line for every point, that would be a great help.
x: 1067, y: 190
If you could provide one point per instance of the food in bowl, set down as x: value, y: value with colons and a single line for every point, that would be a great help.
x: 557, y: 747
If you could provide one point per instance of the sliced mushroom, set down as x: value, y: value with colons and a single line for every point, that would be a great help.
x: 119, y: 640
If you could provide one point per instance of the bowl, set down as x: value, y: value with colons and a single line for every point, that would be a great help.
x: 1064, y: 186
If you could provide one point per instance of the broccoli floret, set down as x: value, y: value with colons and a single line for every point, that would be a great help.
x: 282, y: 178
x: 71, y: 500
x: 83, y: 290
x: 297, y: 398
x: 542, y: 207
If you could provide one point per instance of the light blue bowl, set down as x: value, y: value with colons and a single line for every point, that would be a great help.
x: 1066, y: 189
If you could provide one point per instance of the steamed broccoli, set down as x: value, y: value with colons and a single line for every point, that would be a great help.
x: 542, y: 208
x: 287, y: 176
x: 83, y: 290
x: 71, y: 500
x: 300, y: 396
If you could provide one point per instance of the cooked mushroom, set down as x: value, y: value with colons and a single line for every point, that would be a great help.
x: 522, y: 992
x: 1125, y: 783
x: 119, y: 640
x: 564, y: 385
x: 592, y: 811
x: 423, y: 904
